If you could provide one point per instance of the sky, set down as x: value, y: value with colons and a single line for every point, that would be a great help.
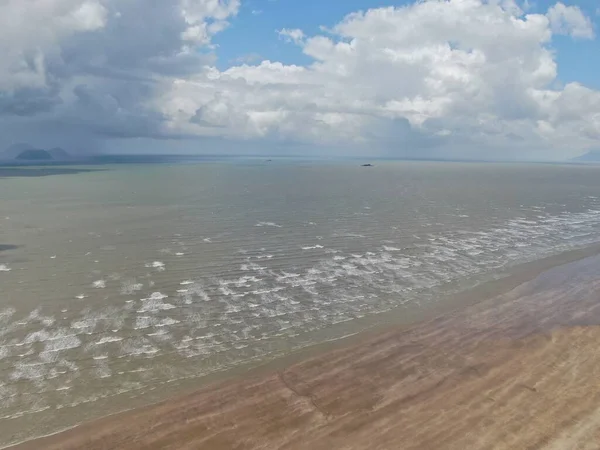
x: 466, y: 79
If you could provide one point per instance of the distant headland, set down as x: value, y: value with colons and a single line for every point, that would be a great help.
x: 27, y: 153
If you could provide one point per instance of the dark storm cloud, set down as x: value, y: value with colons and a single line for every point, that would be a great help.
x: 28, y: 102
x: 98, y: 72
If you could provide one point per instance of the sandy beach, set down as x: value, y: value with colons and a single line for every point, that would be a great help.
x: 518, y: 370
x: 289, y: 225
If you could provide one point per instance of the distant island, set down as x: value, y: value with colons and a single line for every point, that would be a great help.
x: 28, y: 153
x: 592, y: 156
x: 31, y: 155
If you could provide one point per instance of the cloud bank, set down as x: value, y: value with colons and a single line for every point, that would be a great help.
x: 436, y: 78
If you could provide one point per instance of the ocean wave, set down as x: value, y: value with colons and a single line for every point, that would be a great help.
x: 158, y: 265
x: 268, y: 224
x: 312, y: 247
x: 130, y: 286
x: 244, y: 310
x: 108, y: 340
x: 99, y: 284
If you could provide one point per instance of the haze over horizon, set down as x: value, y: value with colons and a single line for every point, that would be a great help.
x: 455, y: 79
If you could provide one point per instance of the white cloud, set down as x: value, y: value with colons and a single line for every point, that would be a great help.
x: 293, y: 35
x: 94, y: 64
x: 458, y: 76
x: 88, y: 16
x: 571, y: 21
x: 30, y: 32
x: 47, y: 29
x: 434, y: 78
x: 206, y: 18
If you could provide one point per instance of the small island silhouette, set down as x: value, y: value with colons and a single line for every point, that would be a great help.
x: 26, y: 152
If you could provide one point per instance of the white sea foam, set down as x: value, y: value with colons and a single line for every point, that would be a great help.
x: 4, y: 268
x: 226, y: 291
x: 143, y: 322
x: 167, y: 322
x: 108, y: 340
x: 4, y: 352
x: 87, y: 323
x: 156, y: 296
x: 268, y: 224
x: 37, y: 316
x: 139, y: 346
x: 285, y: 275
x: 158, y: 334
x: 99, y: 284
x: 155, y: 303
x: 252, y: 267
x: 130, y: 286
x: 263, y: 256
x: 27, y: 371
x: 196, y: 291
x: 60, y: 342
x: 7, y: 313
x: 267, y: 291
x: 158, y: 265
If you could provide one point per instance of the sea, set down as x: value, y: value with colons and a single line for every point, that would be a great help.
x: 124, y: 284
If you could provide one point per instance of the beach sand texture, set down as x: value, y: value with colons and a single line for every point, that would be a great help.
x: 517, y: 371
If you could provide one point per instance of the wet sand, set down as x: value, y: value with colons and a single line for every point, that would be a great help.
x: 519, y: 370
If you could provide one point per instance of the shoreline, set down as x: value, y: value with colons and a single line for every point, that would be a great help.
x: 398, y: 318
x: 453, y: 305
